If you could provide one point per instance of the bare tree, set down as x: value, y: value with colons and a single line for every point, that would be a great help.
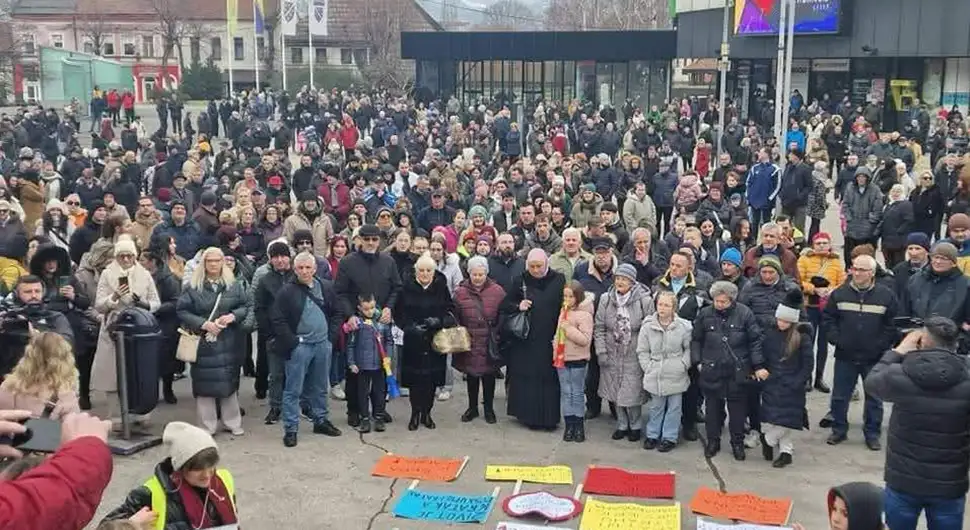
x: 171, y: 26
x: 382, y: 30
x: 608, y: 14
x: 510, y: 15
x: 95, y: 28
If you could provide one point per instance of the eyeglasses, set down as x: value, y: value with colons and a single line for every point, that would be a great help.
x: 861, y: 269
x: 73, y: 203
x: 384, y: 216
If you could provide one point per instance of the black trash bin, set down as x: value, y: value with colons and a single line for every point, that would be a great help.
x: 142, y: 337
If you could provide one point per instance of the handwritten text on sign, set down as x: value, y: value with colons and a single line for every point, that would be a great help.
x: 419, y: 468
x: 598, y: 515
x: 622, y: 483
x: 445, y: 507
x: 704, y: 524
x: 536, y: 474
x: 741, y: 507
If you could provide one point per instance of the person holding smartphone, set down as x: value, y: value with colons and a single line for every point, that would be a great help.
x: 124, y: 283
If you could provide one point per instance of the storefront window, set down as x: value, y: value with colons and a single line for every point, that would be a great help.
x: 639, y: 89
x: 586, y: 81
x: 568, y: 77
x: 658, y: 83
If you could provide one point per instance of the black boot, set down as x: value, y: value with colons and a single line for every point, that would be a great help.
x: 490, y: 415
x: 167, y: 393
x: 470, y: 414
x: 427, y: 421
x: 568, y: 433
x: 84, y: 402
x: 415, y: 419
x: 712, y: 448
x: 738, y: 451
x: 784, y: 459
x: 580, y: 434
x: 767, y: 451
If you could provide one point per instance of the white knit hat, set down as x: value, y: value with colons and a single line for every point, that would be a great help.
x: 184, y: 441
x: 125, y: 245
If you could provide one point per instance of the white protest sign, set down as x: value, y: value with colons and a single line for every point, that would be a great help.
x: 704, y: 524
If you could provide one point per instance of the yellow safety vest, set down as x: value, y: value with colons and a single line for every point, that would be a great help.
x: 160, y: 498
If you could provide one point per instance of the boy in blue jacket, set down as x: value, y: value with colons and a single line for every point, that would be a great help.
x: 365, y: 348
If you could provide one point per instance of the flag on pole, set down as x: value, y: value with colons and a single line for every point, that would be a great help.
x: 232, y: 15
x: 288, y: 18
x: 258, y: 20
x: 318, y: 17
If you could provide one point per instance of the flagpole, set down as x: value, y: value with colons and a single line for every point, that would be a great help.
x: 283, y: 55
x: 230, y: 56
x: 256, y: 44
x: 310, y: 35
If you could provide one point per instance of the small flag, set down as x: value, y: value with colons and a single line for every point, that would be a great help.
x: 232, y: 15
x: 318, y: 17
x: 258, y: 20
x: 288, y: 18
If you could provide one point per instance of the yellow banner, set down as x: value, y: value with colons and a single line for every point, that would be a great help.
x: 232, y: 17
x: 598, y: 515
x: 536, y: 474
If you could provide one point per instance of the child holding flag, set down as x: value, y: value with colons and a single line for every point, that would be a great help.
x: 571, y: 344
x: 367, y: 347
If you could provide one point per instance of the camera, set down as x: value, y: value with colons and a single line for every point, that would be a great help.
x: 905, y: 325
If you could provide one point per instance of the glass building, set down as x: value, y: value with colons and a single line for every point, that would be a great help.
x: 604, y: 67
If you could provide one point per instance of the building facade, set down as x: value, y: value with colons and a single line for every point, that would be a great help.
x: 891, y: 51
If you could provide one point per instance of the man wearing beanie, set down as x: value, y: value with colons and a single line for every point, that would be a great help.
x: 309, y: 215
x: 267, y: 282
x: 862, y: 206
x: 188, y: 489
x: 821, y: 271
x: 940, y: 289
x: 366, y: 271
x: 958, y: 228
x: 303, y: 241
x: 206, y: 216
x: 731, y: 261
x: 917, y: 258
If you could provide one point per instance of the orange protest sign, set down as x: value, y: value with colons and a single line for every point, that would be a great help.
x: 419, y: 468
x: 741, y: 506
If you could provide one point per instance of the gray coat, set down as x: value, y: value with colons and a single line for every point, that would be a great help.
x: 862, y: 211
x: 664, y: 355
x: 216, y: 370
x: 621, y: 378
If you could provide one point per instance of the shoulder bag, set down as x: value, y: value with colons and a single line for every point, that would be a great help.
x: 518, y: 324
x: 741, y: 376
x: 188, y: 349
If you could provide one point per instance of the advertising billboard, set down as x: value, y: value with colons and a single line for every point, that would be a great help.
x: 761, y: 17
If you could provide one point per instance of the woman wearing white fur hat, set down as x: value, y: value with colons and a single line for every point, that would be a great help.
x: 187, y: 490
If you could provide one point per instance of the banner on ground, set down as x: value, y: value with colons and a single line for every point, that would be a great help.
x: 704, y: 524
x: 418, y: 468
x: 535, y: 474
x: 745, y: 507
x: 621, y: 483
x: 506, y: 525
x: 444, y: 507
x: 599, y: 515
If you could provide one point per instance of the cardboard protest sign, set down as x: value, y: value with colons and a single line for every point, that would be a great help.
x: 598, y: 515
x: 622, y: 483
x: 704, y: 524
x: 542, y: 504
x: 536, y: 474
x: 741, y: 507
x: 419, y: 468
x: 444, y: 507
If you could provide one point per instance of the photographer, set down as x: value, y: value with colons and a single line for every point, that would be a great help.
x: 23, y: 310
x: 64, y: 491
x: 927, y: 458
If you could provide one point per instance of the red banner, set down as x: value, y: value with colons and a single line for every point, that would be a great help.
x: 622, y: 483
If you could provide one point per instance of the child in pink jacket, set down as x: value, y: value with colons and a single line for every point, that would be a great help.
x: 571, y: 345
x: 688, y: 193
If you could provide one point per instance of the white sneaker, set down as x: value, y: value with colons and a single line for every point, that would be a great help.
x: 338, y: 393
x: 444, y: 395
x: 752, y: 439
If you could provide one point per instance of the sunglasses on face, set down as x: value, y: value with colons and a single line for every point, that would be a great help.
x: 73, y: 203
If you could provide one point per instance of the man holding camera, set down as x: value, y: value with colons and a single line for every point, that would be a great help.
x: 27, y: 311
x: 927, y: 458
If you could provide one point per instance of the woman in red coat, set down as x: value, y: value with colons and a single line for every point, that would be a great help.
x: 477, y: 300
x: 349, y: 136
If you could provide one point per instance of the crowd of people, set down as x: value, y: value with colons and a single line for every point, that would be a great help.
x: 588, y: 256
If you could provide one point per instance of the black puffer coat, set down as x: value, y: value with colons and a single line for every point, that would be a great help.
x: 896, y: 224
x: 763, y: 299
x: 727, y: 346
x: 933, y: 294
x: 928, y: 454
x: 216, y: 371
x: 782, y: 395
x: 421, y: 312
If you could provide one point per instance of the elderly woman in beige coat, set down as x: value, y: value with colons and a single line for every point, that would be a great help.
x: 124, y: 283
x: 619, y: 316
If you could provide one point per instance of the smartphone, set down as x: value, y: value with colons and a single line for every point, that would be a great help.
x: 122, y: 281
x: 43, y: 436
x: 63, y: 281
